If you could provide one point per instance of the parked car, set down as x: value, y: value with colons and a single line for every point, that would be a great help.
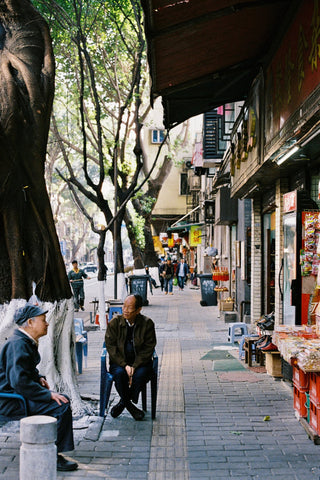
x: 90, y: 269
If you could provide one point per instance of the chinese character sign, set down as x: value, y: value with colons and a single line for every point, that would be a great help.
x: 195, y: 236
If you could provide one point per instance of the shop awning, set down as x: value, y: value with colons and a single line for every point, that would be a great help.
x: 180, y: 227
x: 205, y: 53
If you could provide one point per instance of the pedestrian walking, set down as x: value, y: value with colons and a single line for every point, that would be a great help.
x: 75, y: 277
x: 182, y: 272
x: 151, y: 279
x: 161, y: 266
x: 168, y: 274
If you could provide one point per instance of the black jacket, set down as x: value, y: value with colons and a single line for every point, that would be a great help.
x: 144, y: 340
x: 19, y: 358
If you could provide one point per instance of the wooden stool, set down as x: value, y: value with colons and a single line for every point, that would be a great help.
x: 250, y: 350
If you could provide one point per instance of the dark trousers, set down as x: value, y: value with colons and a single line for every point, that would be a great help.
x: 181, y: 281
x: 63, y: 415
x: 140, y: 377
x: 78, y: 294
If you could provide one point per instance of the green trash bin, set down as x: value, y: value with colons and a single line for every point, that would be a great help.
x: 208, y: 294
x: 138, y: 285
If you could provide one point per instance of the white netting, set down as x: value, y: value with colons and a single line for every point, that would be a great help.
x: 57, y: 348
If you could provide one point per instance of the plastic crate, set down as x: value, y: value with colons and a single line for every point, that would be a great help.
x: 300, y: 378
x: 314, y: 387
x: 314, y: 417
x: 299, y: 402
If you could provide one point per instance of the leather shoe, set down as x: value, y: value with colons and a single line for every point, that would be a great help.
x: 64, y: 465
x: 117, y: 409
x: 271, y: 347
x: 135, y: 411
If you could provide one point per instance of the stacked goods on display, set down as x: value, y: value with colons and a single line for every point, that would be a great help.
x: 309, y: 264
x: 221, y: 274
x: 310, y: 252
x: 300, y: 345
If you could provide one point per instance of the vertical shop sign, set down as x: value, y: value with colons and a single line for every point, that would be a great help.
x: 195, y: 236
x: 290, y: 202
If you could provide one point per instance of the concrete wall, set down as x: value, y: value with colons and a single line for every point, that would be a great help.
x: 244, y: 221
x: 256, y: 261
x: 181, y: 140
x: 281, y: 188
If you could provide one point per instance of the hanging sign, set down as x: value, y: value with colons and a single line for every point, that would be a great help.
x: 170, y: 242
x: 195, y: 236
x: 290, y: 202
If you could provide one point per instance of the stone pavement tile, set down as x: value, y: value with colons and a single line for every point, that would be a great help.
x: 198, y: 410
x: 165, y: 475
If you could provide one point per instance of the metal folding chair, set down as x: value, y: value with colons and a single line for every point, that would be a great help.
x: 81, y: 343
x: 18, y: 397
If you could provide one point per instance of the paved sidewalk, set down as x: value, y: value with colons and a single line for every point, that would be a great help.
x: 209, y: 425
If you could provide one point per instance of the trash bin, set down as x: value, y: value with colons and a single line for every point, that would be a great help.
x: 208, y: 294
x: 138, y: 284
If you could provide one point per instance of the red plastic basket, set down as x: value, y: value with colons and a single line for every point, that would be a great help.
x: 299, y: 402
x: 314, y: 388
x: 300, y: 378
x: 315, y: 417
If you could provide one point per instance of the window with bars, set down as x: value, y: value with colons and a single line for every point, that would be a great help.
x: 184, y: 188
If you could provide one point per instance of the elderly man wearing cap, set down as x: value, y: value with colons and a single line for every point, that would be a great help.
x: 19, y: 358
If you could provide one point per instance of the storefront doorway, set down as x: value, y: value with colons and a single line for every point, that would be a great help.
x: 269, y: 262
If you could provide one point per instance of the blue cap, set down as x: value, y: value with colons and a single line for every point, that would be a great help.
x: 26, y: 312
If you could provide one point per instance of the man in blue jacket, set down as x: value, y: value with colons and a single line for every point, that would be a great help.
x: 182, y: 272
x: 19, y: 358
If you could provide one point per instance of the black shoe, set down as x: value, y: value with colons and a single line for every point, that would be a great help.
x: 64, y: 465
x: 76, y: 309
x: 260, y: 340
x: 135, y: 411
x: 117, y: 409
x: 264, y: 344
x: 82, y: 308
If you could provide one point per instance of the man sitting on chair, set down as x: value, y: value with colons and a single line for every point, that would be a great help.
x: 19, y: 358
x: 130, y: 341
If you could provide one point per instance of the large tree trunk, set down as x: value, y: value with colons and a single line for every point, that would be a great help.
x: 136, y: 251
x: 29, y: 246
x: 150, y: 256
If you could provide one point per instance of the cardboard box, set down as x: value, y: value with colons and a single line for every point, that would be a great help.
x: 273, y: 364
x: 226, y: 306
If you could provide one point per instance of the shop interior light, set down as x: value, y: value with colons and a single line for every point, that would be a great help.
x: 287, y: 155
